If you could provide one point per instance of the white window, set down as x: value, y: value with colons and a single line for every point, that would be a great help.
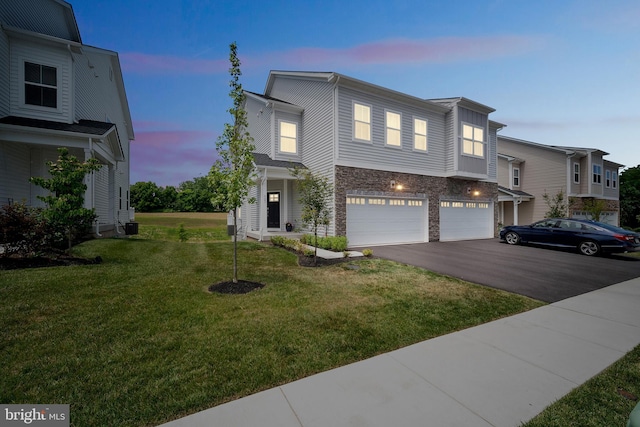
x: 516, y: 177
x: 471, y: 205
x: 483, y: 205
x: 288, y: 137
x: 445, y: 204
x: 472, y: 140
x: 576, y: 173
x: 457, y: 204
x: 597, y: 174
x: 377, y: 202
x: 274, y: 197
x: 607, y: 181
x: 415, y: 202
x: 614, y: 179
x: 40, y: 85
x: 361, y: 122
x: 396, y: 202
x: 394, y: 132
x: 419, y: 134
x: 355, y: 200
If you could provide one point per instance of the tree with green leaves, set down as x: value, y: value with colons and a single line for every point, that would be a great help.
x: 232, y: 175
x: 65, y: 209
x: 594, y: 207
x: 315, y: 196
x: 630, y: 198
x: 557, y: 204
x: 147, y: 197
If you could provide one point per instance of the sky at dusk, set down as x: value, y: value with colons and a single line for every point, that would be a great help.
x: 558, y: 72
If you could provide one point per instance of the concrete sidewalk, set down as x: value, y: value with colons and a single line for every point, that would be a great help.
x: 498, y: 374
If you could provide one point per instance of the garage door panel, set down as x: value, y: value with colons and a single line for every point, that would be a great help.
x: 379, y: 221
x: 463, y: 220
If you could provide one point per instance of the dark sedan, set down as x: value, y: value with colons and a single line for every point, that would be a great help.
x: 588, y: 237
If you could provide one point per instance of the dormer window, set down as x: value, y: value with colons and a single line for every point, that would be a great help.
x: 40, y: 85
x: 288, y: 137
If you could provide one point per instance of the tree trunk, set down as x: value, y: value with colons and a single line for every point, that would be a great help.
x: 235, y: 245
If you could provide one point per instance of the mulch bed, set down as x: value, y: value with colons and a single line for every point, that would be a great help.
x: 15, y: 263
x: 242, y: 287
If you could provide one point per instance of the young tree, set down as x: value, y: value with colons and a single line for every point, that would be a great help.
x: 556, y: 203
x: 630, y: 197
x: 594, y: 207
x: 232, y: 174
x: 315, y: 195
x: 65, y: 202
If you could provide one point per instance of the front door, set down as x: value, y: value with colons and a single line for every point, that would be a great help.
x: 273, y: 210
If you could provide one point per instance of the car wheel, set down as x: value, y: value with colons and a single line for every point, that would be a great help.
x: 512, y: 238
x: 589, y: 248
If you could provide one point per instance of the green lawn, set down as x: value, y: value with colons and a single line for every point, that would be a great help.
x: 138, y: 340
x: 598, y: 402
x: 200, y: 227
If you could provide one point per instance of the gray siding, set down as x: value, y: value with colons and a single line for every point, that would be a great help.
x: 292, y: 118
x: 377, y: 154
x: 450, y: 136
x: 259, y: 125
x: 468, y: 163
x: 52, y: 18
x: 4, y: 74
x: 14, y: 172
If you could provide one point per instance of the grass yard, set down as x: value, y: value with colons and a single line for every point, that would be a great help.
x: 200, y: 227
x: 138, y: 340
x: 598, y: 402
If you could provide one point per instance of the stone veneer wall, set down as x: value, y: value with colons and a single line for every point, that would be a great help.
x: 435, y: 188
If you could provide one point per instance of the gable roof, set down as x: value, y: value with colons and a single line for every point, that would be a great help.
x: 53, y: 18
x: 515, y: 193
x: 466, y: 103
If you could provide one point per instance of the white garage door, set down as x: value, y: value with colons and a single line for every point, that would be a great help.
x: 383, y: 221
x: 465, y: 220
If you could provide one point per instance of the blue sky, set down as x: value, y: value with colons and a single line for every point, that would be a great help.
x: 557, y: 72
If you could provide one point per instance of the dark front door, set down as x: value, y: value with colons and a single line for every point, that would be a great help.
x: 273, y: 210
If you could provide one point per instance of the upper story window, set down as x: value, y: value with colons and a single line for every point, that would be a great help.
x: 607, y: 179
x: 288, y: 137
x: 472, y: 140
x: 614, y: 179
x: 361, y: 122
x: 394, y: 131
x: 597, y: 174
x: 40, y: 85
x: 419, y: 134
x: 516, y: 177
x: 576, y: 173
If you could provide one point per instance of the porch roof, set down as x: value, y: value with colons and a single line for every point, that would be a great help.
x: 515, y: 193
x: 264, y: 160
x: 86, y: 127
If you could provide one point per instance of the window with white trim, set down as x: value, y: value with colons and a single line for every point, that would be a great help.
x: 396, y: 202
x: 457, y: 204
x: 516, y: 177
x: 445, y: 204
x: 472, y: 140
x: 419, y: 134
x: 597, y: 174
x: 471, y: 204
x: 614, y: 179
x: 377, y: 202
x: 361, y: 122
x: 394, y: 132
x: 607, y: 179
x: 355, y: 200
x: 576, y: 173
x: 483, y: 205
x: 415, y: 202
x: 40, y: 85
x: 288, y: 137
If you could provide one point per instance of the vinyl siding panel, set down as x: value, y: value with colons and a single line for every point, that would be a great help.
x: 22, y: 51
x: 542, y: 171
x: 4, y: 74
x: 611, y: 192
x: 259, y: 125
x: 450, y: 144
x: 101, y: 194
x: 503, y: 173
x: 14, y: 172
x: 492, y: 152
x: 51, y: 17
x: 467, y: 163
x: 377, y: 154
x: 291, y: 118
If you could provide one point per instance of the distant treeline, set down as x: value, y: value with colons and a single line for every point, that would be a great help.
x: 189, y: 196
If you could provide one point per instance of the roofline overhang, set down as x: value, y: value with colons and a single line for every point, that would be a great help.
x: 278, y: 105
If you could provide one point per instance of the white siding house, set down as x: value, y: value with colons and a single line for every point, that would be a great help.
x: 57, y: 92
x: 404, y: 169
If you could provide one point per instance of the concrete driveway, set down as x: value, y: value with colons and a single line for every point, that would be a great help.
x: 545, y: 274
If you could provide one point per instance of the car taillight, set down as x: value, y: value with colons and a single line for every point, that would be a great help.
x: 624, y: 237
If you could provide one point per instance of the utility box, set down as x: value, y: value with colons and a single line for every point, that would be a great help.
x: 130, y: 228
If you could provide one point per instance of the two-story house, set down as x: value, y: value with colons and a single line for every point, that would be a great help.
x: 404, y: 169
x: 55, y: 92
x: 528, y: 170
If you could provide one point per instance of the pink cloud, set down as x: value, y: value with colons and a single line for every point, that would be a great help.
x: 171, y: 157
x: 392, y: 51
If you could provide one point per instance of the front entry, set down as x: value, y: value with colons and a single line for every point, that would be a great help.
x: 273, y: 210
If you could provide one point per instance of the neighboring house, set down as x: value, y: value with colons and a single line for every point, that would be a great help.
x: 404, y: 169
x: 528, y: 170
x: 57, y: 92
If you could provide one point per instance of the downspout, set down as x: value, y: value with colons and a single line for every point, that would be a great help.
x: 335, y: 149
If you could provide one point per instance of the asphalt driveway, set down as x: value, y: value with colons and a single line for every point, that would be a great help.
x: 545, y: 274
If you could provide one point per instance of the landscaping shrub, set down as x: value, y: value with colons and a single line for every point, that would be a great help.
x: 23, y: 230
x: 367, y: 252
x: 330, y: 243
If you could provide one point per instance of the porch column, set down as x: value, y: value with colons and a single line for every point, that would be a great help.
x: 516, y: 202
x: 285, y: 204
x: 262, y: 223
x: 89, y: 179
